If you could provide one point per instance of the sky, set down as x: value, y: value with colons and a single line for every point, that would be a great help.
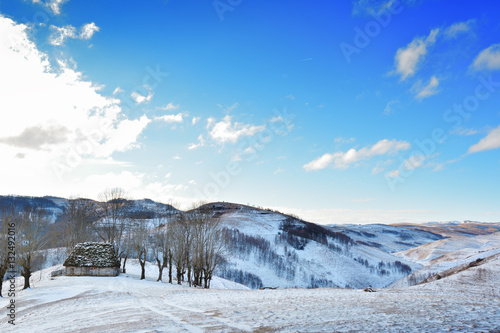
x: 357, y: 111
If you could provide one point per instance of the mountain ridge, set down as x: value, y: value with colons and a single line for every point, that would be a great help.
x: 268, y: 248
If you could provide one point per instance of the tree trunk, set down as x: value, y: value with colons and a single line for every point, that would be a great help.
x: 160, y: 269
x: 205, y: 277
x: 124, y: 263
x: 2, y: 274
x: 143, y: 267
x: 179, y: 275
x: 170, y: 267
x: 26, y: 274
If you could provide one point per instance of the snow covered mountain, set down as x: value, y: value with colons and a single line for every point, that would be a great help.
x: 266, y: 248
x: 271, y: 249
x: 447, y: 256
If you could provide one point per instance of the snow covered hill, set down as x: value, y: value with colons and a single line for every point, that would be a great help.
x: 388, y: 238
x: 458, y: 263
x: 465, y: 302
x: 145, y: 208
x: 266, y: 248
x: 270, y: 249
x: 448, y: 255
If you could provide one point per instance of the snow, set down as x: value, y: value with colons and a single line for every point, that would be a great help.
x: 467, y: 301
x: 446, y: 254
x: 389, y: 238
x: 339, y: 268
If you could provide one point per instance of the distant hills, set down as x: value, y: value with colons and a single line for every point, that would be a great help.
x: 266, y: 248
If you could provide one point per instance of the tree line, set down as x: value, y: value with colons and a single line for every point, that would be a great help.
x: 189, y: 245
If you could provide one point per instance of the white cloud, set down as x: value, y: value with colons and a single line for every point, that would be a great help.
x: 37, y: 137
x: 277, y: 171
x: 343, y: 160
x: 389, y: 107
x: 377, y: 169
x: 321, y: 162
x: 227, y: 131
x: 118, y: 90
x: 125, y: 179
x: 407, y: 59
x: 88, y: 30
x: 372, y: 7
x: 172, y: 118
x: 141, y: 99
x: 491, y: 141
x: 170, y: 106
x: 414, y: 161
x: 195, y: 120
x: 123, y: 136
x: 59, y: 34
x: 488, y: 59
x: 458, y: 28
x: 54, y: 5
x: 464, y: 131
x: 231, y: 108
x: 340, y: 139
x: 281, y: 126
x: 426, y: 91
x: 201, y: 143
x: 56, y: 119
x: 138, y: 186
x: 380, y: 167
x: 393, y: 174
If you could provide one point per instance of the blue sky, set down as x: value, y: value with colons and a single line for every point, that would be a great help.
x: 340, y: 112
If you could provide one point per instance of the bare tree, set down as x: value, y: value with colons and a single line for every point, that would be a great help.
x: 140, y: 243
x: 32, y: 234
x: 195, y: 246
x: 168, y: 252
x: 159, y: 237
x: 180, y: 236
x: 207, y: 246
x: 159, y: 234
x: 163, y: 213
x: 214, y: 249
x: 113, y: 223
x: 76, y: 222
x: 126, y: 243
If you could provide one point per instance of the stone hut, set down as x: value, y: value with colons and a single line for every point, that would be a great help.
x: 92, y: 259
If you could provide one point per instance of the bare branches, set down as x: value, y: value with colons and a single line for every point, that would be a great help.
x: 112, y: 225
x: 32, y: 235
x: 76, y: 222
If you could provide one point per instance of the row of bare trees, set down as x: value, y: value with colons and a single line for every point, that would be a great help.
x: 190, y: 243
x: 187, y: 244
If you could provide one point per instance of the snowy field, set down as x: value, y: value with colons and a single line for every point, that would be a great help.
x: 465, y: 302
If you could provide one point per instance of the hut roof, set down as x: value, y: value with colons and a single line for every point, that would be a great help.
x: 93, y: 255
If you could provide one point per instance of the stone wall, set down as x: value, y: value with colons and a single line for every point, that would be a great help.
x: 92, y: 271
